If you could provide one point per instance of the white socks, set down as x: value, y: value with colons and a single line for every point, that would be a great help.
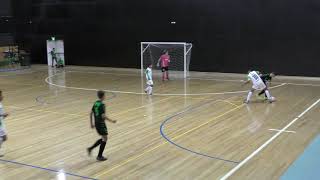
x: 149, y: 90
x: 268, y: 94
x: 249, y: 96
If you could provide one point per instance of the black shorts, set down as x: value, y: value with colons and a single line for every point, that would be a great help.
x: 163, y: 69
x: 102, y: 129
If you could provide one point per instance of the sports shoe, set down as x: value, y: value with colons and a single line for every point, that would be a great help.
x: 101, y: 158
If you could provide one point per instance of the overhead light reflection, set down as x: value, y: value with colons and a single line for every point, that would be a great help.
x: 61, y: 175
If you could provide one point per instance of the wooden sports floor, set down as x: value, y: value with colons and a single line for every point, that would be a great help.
x: 193, y: 129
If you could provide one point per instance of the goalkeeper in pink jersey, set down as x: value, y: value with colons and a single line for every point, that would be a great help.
x: 164, y: 61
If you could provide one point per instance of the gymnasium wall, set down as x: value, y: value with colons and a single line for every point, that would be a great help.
x: 228, y: 35
x: 5, y: 8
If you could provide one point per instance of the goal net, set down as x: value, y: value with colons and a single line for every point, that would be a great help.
x: 179, y: 52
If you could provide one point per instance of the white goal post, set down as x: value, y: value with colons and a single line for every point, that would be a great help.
x: 179, y: 52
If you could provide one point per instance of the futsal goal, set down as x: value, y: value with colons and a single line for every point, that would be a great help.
x: 179, y: 52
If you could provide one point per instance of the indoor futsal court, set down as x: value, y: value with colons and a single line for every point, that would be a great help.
x: 159, y: 90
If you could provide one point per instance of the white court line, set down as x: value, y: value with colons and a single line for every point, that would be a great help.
x: 156, y: 94
x: 214, y: 79
x: 282, y: 131
x: 315, y: 85
x: 236, y: 168
x: 208, y: 79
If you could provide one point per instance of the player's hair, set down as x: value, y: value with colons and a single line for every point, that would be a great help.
x: 0, y: 92
x: 100, y: 94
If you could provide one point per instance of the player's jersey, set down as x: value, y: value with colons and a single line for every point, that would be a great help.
x: 148, y: 74
x: 53, y: 54
x: 1, y: 113
x: 165, y: 60
x: 266, y: 77
x: 254, y: 77
x: 98, y: 109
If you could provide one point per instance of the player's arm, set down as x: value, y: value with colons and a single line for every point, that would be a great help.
x: 91, y: 119
x: 108, y: 119
x: 245, y: 82
x: 104, y: 117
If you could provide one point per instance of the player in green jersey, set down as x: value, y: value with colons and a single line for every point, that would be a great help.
x: 99, y: 113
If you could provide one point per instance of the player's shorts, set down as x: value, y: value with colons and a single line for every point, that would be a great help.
x: 150, y: 83
x: 102, y: 129
x: 259, y: 86
x: 163, y: 69
x: 3, y: 131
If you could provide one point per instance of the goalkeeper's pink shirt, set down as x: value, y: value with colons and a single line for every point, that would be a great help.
x: 165, y: 60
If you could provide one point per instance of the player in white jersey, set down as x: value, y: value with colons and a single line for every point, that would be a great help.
x: 257, y: 84
x: 149, y: 87
x: 3, y: 134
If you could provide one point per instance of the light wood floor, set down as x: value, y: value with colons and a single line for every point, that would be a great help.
x: 209, y: 131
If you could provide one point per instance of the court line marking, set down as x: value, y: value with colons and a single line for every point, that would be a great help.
x: 155, y: 94
x: 210, y: 79
x: 297, y: 84
x: 46, y: 169
x: 278, y: 130
x: 254, y: 153
x: 231, y: 80
x: 184, y: 148
x: 166, y: 142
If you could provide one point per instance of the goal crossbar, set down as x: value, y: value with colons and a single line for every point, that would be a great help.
x: 181, y: 43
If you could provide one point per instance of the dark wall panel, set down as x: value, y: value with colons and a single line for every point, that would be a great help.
x: 5, y: 8
x: 228, y: 35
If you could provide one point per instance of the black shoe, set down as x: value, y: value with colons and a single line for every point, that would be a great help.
x: 89, y: 151
x: 101, y: 158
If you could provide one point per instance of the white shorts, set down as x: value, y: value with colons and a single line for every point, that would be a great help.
x: 149, y: 82
x: 259, y: 86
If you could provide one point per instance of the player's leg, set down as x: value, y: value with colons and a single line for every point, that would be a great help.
x: 96, y: 144
x: 249, y: 96
x: 102, y: 147
x: 2, y: 139
x: 262, y: 92
x: 146, y: 89
x: 163, y: 73
x: 267, y: 92
x: 56, y: 60
x: 150, y: 89
x: 167, y: 73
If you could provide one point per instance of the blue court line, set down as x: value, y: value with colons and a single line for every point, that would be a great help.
x: 45, y: 169
x: 188, y: 110
x: 307, y: 165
